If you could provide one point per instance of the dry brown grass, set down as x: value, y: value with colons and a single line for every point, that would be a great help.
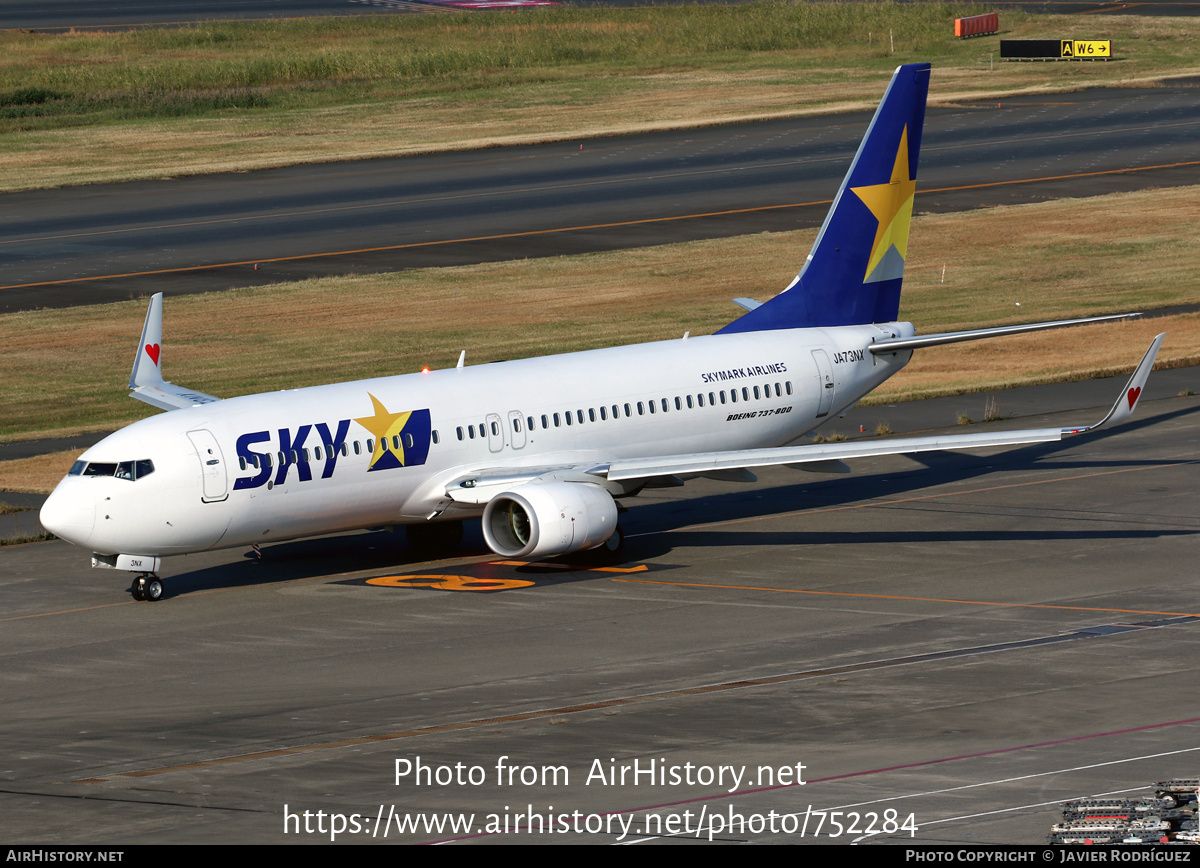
x: 39, y: 474
x: 65, y: 370
x: 579, y: 105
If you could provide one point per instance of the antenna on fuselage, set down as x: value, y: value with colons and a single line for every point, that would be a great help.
x: 462, y: 357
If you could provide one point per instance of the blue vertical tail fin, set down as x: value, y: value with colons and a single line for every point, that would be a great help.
x: 854, y: 272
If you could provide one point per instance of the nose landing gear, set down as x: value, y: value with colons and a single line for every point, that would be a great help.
x: 147, y: 587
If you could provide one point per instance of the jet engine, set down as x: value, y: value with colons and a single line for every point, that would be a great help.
x: 544, y: 519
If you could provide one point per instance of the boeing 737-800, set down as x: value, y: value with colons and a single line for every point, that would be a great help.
x: 542, y: 447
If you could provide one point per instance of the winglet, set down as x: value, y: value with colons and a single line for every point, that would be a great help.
x: 146, y: 380
x: 1127, y: 400
x: 147, y: 361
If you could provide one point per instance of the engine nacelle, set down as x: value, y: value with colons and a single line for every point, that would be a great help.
x: 544, y: 519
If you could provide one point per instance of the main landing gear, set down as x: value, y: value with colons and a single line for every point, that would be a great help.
x: 147, y: 587
x: 435, y: 538
x: 611, y: 552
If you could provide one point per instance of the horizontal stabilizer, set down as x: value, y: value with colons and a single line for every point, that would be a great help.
x: 893, y: 345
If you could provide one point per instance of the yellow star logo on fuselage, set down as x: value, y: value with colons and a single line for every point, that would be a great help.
x: 385, y: 426
x: 892, y: 204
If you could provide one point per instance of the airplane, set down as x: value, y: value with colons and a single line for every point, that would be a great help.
x: 540, y: 449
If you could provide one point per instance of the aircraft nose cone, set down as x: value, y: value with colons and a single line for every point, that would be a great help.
x: 67, y: 517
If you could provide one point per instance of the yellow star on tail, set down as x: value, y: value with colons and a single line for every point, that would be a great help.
x: 892, y: 205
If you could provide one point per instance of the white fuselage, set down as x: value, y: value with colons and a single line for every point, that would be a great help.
x: 212, y: 487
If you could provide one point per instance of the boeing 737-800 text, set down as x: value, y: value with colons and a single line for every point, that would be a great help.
x: 540, y: 448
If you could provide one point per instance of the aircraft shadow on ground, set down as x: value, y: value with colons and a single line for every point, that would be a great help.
x: 654, y: 530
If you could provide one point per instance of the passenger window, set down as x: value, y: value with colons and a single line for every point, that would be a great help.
x: 371, y: 445
x: 241, y: 462
x: 756, y: 393
x: 516, y: 424
x: 556, y: 420
x: 545, y: 422
x: 496, y: 428
x: 732, y: 396
x: 745, y: 394
x: 409, y: 441
x: 471, y: 431
x: 569, y: 419
x: 778, y: 391
x: 627, y: 413
x: 579, y: 415
x: 267, y: 459
x: 460, y: 434
x: 437, y: 438
x: 345, y: 451
x: 482, y: 431
x: 653, y: 409
x: 358, y: 450
x: 317, y: 452
x: 788, y: 386
x: 665, y: 406
x: 603, y: 414
x: 712, y: 399
x: 529, y: 423
x: 592, y: 413
x: 689, y: 401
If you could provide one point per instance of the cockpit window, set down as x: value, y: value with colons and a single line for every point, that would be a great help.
x: 129, y: 470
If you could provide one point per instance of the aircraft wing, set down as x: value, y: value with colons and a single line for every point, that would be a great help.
x: 146, y: 379
x: 480, y: 486
x: 706, y: 462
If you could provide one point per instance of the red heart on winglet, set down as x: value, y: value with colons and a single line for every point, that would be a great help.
x: 1133, y: 396
x: 152, y: 350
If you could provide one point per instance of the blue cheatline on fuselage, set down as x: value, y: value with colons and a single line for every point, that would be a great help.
x: 854, y: 272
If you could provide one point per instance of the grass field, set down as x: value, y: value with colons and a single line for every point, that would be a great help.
x: 85, y: 107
